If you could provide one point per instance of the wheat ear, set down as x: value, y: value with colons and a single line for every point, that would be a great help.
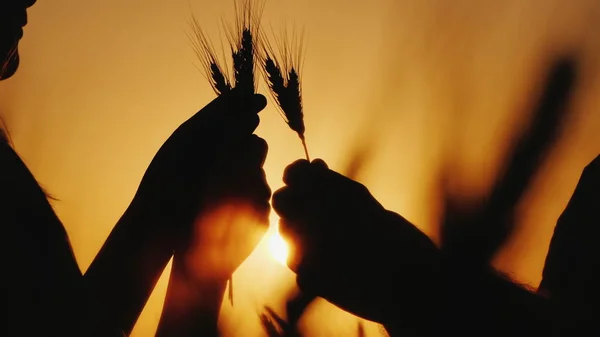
x: 281, y: 70
x: 212, y: 69
x: 242, y: 42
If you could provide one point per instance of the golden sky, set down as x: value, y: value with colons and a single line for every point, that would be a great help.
x: 104, y: 82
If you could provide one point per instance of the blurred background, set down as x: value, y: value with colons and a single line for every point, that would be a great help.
x: 409, y: 83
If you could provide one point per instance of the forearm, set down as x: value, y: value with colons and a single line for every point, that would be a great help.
x: 125, y: 271
x: 191, y: 306
x: 486, y: 303
x: 455, y: 298
x: 483, y: 305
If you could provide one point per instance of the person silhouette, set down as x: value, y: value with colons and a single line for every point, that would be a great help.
x: 196, y: 171
x: 350, y: 250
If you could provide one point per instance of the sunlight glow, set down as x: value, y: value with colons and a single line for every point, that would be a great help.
x: 278, y: 248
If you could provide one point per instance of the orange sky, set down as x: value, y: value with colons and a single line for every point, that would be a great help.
x: 104, y: 82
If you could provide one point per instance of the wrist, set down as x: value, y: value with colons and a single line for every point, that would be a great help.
x: 416, y: 292
x: 192, y: 305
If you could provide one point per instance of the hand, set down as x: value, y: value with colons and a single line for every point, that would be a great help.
x: 350, y: 250
x: 211, y: 164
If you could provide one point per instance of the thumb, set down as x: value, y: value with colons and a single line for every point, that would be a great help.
x: 320, y: 163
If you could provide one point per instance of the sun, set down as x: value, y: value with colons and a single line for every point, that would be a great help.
x: 278, y: 248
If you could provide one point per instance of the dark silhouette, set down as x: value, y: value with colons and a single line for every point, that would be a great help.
x: 472, y: 234
x: 43, y: 291
x: 207, y: 181
x: 374, y: 263
x: 572, y: 269
x: 346, y: 241
x: 237, y: 198
x: 297, y: 303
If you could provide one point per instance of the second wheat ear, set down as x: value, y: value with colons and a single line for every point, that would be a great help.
x: 281, y: 70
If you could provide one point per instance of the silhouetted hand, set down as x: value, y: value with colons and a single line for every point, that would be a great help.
x: 211, y: 164
x: 348, y: 249
x: 217, y: 194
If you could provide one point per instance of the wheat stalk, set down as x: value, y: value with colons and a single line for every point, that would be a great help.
x: 281, y: 70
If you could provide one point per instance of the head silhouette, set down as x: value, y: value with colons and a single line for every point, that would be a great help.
x: 13, y: 16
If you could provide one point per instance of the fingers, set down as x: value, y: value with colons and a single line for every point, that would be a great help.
x: 302, y: 172
x: 289, y: 204
x: 246, y: 167
x: 305, y: 243
x: 256, y: 150
x: 236, y: 102
x: 243, y: 115
x: 320, y: 163
x: 243, y: 153
x: 230, y: 114
x: 296, y: 172
x: 293, y: 208
x: 241, y: 111
x: 295, y: 240
x: 237, y: 173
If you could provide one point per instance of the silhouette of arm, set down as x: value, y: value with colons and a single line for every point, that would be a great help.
x: 46, y: 282
x: 377, y: 265
x: 180, y: 183
x: 486, y: 303
x: 125, y: 271
x: 191, y: 307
